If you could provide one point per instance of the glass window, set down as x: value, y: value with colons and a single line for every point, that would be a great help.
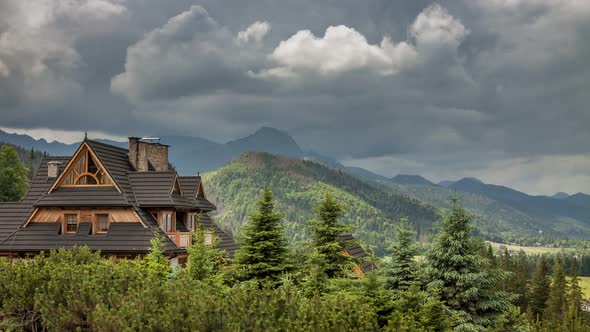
x: 166, y: 222
x: 71, y: 223
x: 102, y: 223
x: 192, y: 221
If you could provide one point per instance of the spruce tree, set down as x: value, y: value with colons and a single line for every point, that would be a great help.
x: 13, y: 175
x: 555, y: 306
x: 327, y: 239
x: 539, y: 289
x: 263, y: 250
x: 400, y: 272
x: 574, y: 320
x: 463, y: 277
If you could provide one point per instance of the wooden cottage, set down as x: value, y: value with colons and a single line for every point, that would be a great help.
x: 110, y: 199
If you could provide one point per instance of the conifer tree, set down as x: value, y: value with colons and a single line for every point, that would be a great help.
x: 555, y: 306
x: 539, y: 289
x: 574, y: 320
x: 13, y: 175
x: 463, y: 277
x: 326, y: 236
x: 401, y: 271
x: 263, y: 250
x: 31, y: 164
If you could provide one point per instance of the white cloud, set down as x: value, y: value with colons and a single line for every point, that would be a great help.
x: 341, y: 49
x: 435, y: 27
x: 254, y: 33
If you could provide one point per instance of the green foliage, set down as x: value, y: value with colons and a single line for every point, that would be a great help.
x: 155, y: 263
x: 575, y: 318
x: 205, y: 261
x: 401, y: 270
x: 464, y: 277
x: 13, y: 175
x: 326, y: 237
x: 556, y: 303
x: 263, y: 247
x: 539, y: 289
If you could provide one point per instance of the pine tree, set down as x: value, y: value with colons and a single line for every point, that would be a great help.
x: 13, y: 175
x: 463, y: 277
x: 574, y: 317
x: 31, y: 164
x: 326, y: 236
x: 539, y: 289
x: 555, y: 306
x: 263, y: 250
x: 401, y: 271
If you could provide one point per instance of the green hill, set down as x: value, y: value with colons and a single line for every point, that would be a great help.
x: 298, y: 185
x: 499, y: 221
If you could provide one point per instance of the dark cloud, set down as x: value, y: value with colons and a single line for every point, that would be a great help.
x: 444, y: 89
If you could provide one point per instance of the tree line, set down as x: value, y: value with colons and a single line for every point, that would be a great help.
x: 459, y: 284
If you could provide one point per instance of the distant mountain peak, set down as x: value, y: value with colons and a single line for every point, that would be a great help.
x: 268, y: 139
x: 470, y: 178
x: 560, y: 195
x: 410, y: 179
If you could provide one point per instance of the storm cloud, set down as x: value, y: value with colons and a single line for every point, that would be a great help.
x: 496, y: 89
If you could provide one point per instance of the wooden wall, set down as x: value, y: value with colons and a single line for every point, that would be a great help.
x: 55, y: 214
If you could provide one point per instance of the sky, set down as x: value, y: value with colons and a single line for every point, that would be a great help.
x: 495, y: 89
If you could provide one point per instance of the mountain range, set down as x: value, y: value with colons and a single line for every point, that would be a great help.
x: 234, y: 175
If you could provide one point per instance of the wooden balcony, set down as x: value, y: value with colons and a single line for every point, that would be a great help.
x: 181, y: 239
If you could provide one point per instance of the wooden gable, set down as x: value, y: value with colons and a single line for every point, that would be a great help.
x: 84, y: 170
x: 176, y: 187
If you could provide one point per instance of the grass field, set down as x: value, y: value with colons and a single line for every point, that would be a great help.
x: 529, y: 250
x: 585, y: 285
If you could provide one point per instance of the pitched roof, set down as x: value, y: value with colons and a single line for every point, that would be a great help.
x: 122, y: 237
x: 358, y: 253
x: 87, y: 196
x: 138, y: 190
x: 226, y: 242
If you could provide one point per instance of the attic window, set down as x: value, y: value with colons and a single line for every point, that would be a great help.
x: 85, y: 171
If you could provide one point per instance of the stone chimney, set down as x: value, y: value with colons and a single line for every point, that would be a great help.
x: 53, y: 169
x: 146, y: 154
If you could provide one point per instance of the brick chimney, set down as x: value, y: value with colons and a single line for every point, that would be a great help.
x: 53, y: 168
x: 146, y: 154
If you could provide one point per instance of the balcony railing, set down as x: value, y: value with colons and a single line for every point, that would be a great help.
x: 181, y: 239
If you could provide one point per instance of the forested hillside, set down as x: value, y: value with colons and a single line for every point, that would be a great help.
x: 498, y: 221
x: 299, y: 185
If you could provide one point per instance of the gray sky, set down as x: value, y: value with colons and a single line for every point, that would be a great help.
x: 497, y: 89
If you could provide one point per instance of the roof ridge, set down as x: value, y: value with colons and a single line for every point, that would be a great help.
x: 109, y: 145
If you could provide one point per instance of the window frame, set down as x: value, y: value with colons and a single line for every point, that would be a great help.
x: 191, y: 222
x: 65, y: 223
x: 97, y: 223
x: 163, y: 221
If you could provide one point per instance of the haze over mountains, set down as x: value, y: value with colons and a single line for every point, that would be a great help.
x: 503, y: 211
